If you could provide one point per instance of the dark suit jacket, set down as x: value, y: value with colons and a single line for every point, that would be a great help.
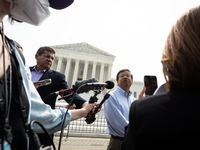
x: 166, y: 121
x: 58, y: 83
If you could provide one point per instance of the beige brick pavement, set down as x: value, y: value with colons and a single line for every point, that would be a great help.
x: 82, y: 143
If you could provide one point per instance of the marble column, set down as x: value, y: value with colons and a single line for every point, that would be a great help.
x: 101, y: 72
x: 85, y: 70
x: 67, y: 68
x: 94, y: 69
x: 59, y: 64
x: 75, y: 76
x: 109, y: 71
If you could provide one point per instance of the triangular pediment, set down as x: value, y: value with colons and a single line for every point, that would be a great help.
x: 82, y: 48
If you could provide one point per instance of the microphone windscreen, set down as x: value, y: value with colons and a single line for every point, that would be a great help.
x: 110, y: 84
x: 82, y: 88
x: 79, y: 83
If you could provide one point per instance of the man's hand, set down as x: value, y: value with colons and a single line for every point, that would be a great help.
x: 71, y: 107
x: 36, y: 86
x: 142, y: 93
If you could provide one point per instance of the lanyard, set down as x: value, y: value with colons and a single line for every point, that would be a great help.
x: 6, y: 129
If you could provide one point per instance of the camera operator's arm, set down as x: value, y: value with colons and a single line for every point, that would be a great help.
x: 79, y: 113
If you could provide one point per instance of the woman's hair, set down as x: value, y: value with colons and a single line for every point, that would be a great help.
x: 181, y: 55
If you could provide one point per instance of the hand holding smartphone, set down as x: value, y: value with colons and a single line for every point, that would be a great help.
x: 150, y: 82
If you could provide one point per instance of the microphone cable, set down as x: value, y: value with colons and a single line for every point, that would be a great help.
x: 62, y: 127
x: 34, y: 138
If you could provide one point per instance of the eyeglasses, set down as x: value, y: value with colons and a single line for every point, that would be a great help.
x: 124, y: 75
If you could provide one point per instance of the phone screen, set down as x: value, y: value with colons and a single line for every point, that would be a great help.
x: 150, y: 82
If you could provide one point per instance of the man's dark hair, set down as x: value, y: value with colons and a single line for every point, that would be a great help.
x: 44, y: 49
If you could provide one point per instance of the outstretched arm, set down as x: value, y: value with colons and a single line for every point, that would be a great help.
x: 79, y: 113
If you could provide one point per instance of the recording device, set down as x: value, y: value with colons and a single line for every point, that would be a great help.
x: 85, y: 86
x: 95, y: 86
x: 74, y: 88
x: 42, y: 82
x: 150, y: 82
x: 90, y: 118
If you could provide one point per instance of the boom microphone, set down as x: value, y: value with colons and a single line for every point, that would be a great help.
x: 107, y: 84
x: 79, y: 84
x: 96, y: 86
x: 74, y: 88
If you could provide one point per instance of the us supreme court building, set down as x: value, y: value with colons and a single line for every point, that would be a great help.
x: 81, y: 61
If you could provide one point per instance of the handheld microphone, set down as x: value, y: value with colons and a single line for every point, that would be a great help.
x: 42, y: 82
x: 90, y: 118
x: 101, y: 103
x: 62, y: 92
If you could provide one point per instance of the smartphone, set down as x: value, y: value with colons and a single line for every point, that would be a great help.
x: 150, y: 82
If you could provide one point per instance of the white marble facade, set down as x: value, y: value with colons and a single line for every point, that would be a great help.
x: 82, y: 61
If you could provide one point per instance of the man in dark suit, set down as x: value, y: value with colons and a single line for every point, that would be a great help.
x: 44, y: 58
